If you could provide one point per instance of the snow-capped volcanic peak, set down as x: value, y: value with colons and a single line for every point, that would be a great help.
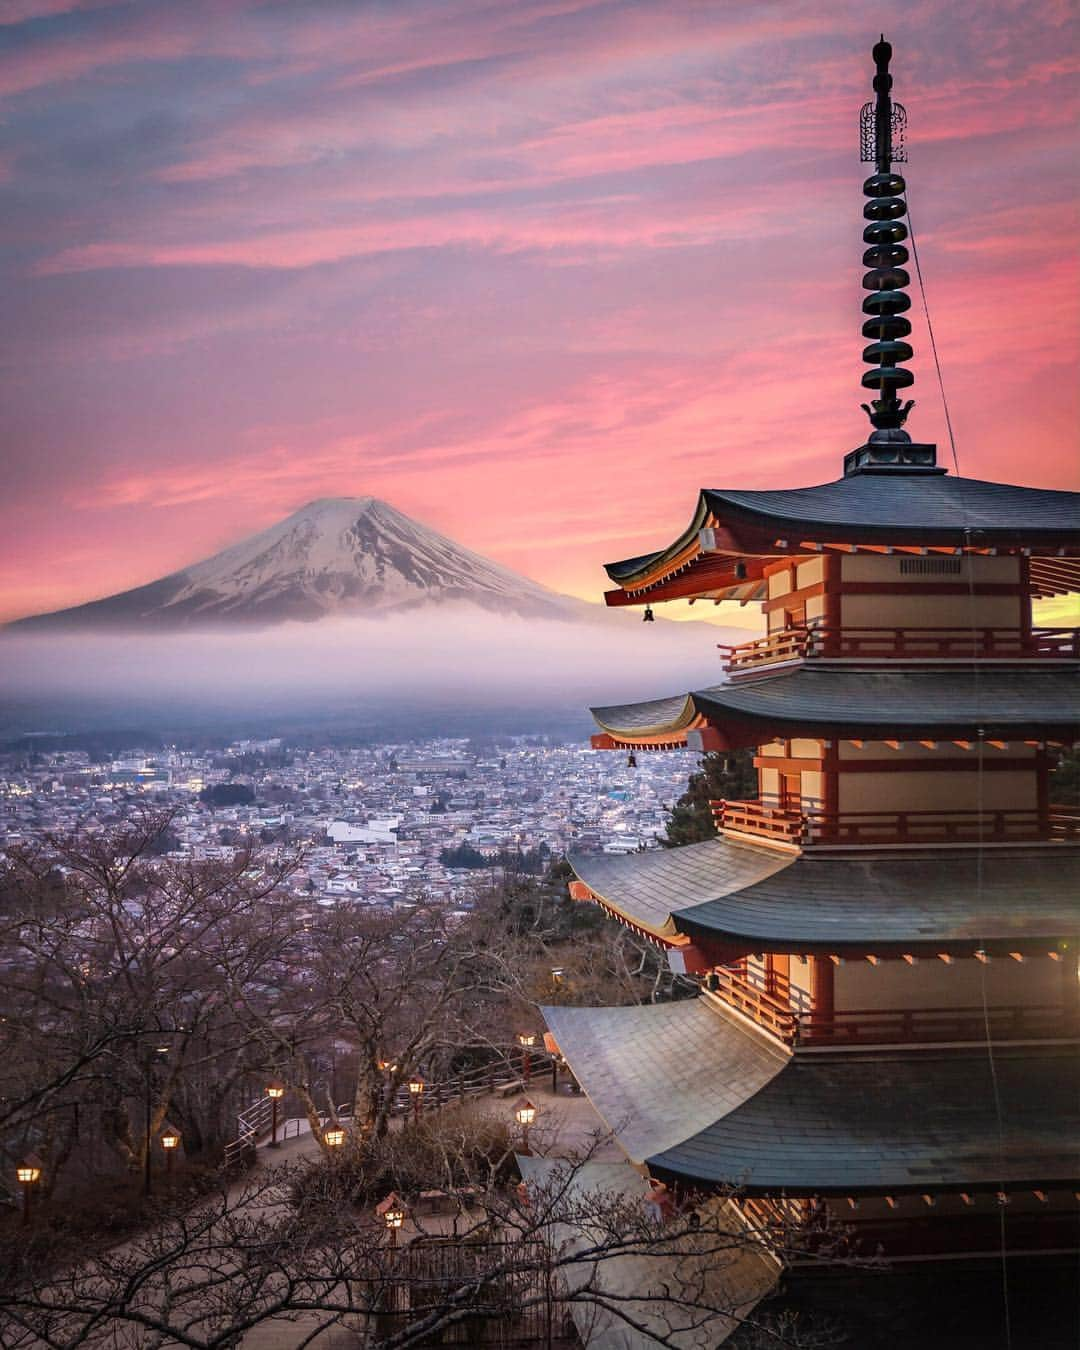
x: 348, y: 552
x: 338, y: 555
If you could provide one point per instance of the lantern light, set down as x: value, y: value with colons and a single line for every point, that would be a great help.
x: 170, y: 1137
x: 524, y: 1111
x: 416, y: 1086
x: 29, y: 1170
x: 335, y: 1137
x: 527, y: 1038
x: 275, y: 1089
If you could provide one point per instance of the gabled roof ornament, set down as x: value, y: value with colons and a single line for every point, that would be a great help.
x: 882, y: 124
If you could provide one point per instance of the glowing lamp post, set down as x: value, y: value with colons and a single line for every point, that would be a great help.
x: 28, y: 1173
x: 334, y: 1137
x: 275, y: 1091
x: 416, y: 1089
x: 392, y: 1213
x: 170, y: 1142
x: 389, y: 1068
x: 158, y: 1053
x: 526, y: 1039
x: 525, y: 1115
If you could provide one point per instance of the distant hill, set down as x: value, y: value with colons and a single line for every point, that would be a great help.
x: 336, y: 556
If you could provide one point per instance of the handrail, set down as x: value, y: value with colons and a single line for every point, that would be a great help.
x: 754, y: 817
x: 254, y: 1122
x: 761, y: 1007
x: 872, y: 1026
x: 944, y: 824
x: 929, y: 643
x: 889, y: 826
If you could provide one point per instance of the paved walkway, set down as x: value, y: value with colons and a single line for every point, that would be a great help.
x: 566, y: 1124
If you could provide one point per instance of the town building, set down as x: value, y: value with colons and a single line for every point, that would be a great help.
x: 887, y: 936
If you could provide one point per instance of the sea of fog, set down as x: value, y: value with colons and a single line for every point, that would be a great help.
x: 450, y: 664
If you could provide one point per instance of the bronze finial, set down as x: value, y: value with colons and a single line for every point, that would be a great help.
x: 882, y: 126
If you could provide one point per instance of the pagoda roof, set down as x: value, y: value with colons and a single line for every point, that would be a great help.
x: 845, y: 700
x: 889, y: 1123
x: 660, y: 1073
x: 841, y: 1123
x: 762, y: 900
x: 888, y: 508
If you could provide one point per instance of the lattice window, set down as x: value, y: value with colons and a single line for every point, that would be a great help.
x: 929, y: 567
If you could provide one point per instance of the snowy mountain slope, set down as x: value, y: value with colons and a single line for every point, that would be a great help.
x: 343, y: 555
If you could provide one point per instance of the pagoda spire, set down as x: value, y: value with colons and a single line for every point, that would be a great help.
x: 882, y: 124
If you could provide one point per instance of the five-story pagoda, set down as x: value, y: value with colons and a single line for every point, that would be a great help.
x: 887, y: 936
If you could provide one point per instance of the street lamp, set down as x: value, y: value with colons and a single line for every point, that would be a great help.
x: 557, y: 974
x: 334, y: 1137
x: 525, y: 1115
x: 29, y: 1174
x: 389, y: 1068
x: 170, y: 1142
x: 392, y: 1213
x: 526, y: 1039
x: 148, y: 1072
x: 416, y: 1088
x: 275, y: 1091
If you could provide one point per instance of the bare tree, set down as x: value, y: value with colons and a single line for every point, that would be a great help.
x: 308, y: 1248
x: 111, y: 953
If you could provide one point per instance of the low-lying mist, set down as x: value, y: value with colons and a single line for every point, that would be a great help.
x: 451, y: 656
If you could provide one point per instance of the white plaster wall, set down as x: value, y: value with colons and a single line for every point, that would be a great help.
x: 933, y: 984
x: 929, y: 791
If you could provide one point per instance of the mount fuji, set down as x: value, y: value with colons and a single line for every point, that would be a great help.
x: 336, y: 556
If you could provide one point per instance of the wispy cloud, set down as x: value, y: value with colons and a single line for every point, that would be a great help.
x: 536, y: 271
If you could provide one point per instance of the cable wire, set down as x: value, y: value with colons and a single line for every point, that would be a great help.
x: 969, y: 557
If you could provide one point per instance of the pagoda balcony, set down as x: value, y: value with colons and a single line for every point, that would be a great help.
x: 790, y: 827
x: 897, y: 1026
x: 900, y: 644
x: 770, y: 1012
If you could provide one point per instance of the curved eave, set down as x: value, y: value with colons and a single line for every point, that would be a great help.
x: 659, y: 929
x: 846, y: 701
x: 896, y: 1123
x: 661, y: 721
x: 658, y: 1073
x: 900, y: 510
x: 893, y: 904
x: 647, y: 890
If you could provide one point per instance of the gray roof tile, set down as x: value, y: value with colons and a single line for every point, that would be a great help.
x: 1001, y: 700
x: 659, y: 1073
x: 819, y: 902
x: 895, y: 1122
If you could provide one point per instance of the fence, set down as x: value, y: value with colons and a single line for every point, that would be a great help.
x: 513, y: 1069
x: 511, y: 1302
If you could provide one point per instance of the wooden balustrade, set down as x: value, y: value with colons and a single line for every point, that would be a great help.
x: 888, y: 1026
x: 915, y: 644
x: 960, y: 826
x: 752, y: 817
x: 767, y: 1011
x: 942, y: 826
x: 788, y: 644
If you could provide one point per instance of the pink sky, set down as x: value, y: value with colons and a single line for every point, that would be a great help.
x: 534, y: 272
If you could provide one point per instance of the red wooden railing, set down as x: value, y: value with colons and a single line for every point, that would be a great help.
x: 787, y: 644
x: 783, y: 824
x: 940, y: 826
x: 919, y: 644
x: 769, y: 1012
x: 877, y: 1026
x: 750, y: 817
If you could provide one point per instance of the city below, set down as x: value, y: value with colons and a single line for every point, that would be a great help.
x: 381, y: 825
